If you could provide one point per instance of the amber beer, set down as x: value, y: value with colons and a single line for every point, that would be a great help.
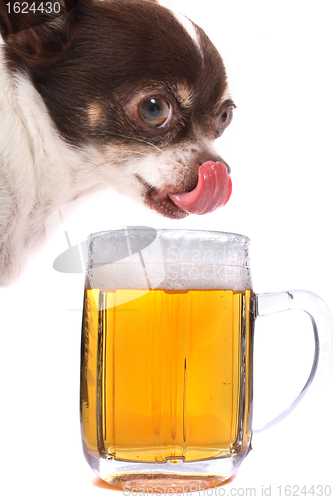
x: 166, y: 375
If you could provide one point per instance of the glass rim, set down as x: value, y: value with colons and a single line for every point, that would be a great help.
x: 238, y: 236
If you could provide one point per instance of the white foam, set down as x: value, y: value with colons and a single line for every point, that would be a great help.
x: 175, y: 260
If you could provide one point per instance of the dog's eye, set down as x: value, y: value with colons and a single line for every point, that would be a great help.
x: 224, y: 119
x: 155, y: 112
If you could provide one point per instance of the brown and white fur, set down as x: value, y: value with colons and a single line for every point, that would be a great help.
x: 69, y: 122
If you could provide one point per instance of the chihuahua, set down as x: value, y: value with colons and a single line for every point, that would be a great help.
x: 105, y: 93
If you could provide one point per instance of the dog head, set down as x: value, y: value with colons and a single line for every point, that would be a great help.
x: 139, y: 88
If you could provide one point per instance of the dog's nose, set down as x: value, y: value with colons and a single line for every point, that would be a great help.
x: 207, y: 155
x: 218, y: 158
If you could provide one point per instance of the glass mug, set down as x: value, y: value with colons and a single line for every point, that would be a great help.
x: 167, y: 355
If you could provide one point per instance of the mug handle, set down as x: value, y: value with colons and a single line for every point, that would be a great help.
x: 322, y: 324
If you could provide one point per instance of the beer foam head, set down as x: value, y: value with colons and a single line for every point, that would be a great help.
x: 146, y: 258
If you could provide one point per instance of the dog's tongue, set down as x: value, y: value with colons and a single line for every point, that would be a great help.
x: 213, y: 190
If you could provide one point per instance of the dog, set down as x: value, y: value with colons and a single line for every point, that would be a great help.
x: 105, y: 93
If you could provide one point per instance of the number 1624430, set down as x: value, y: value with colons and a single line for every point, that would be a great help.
x: 28, y: 8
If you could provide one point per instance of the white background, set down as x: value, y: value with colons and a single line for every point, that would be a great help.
x: 279, y: 60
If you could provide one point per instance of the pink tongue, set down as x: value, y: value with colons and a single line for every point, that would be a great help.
x: 213, y: 190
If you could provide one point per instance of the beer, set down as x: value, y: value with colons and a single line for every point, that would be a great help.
x: 166, y: 374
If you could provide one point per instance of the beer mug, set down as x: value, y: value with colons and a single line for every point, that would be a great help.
x: 167, y: 355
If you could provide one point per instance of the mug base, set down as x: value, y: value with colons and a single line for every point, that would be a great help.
x: 171, y: 476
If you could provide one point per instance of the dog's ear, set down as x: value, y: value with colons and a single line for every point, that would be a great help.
x: 35, y: 29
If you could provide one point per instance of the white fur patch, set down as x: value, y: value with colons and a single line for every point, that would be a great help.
x: 189, y: 27
x: 38, y: 171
